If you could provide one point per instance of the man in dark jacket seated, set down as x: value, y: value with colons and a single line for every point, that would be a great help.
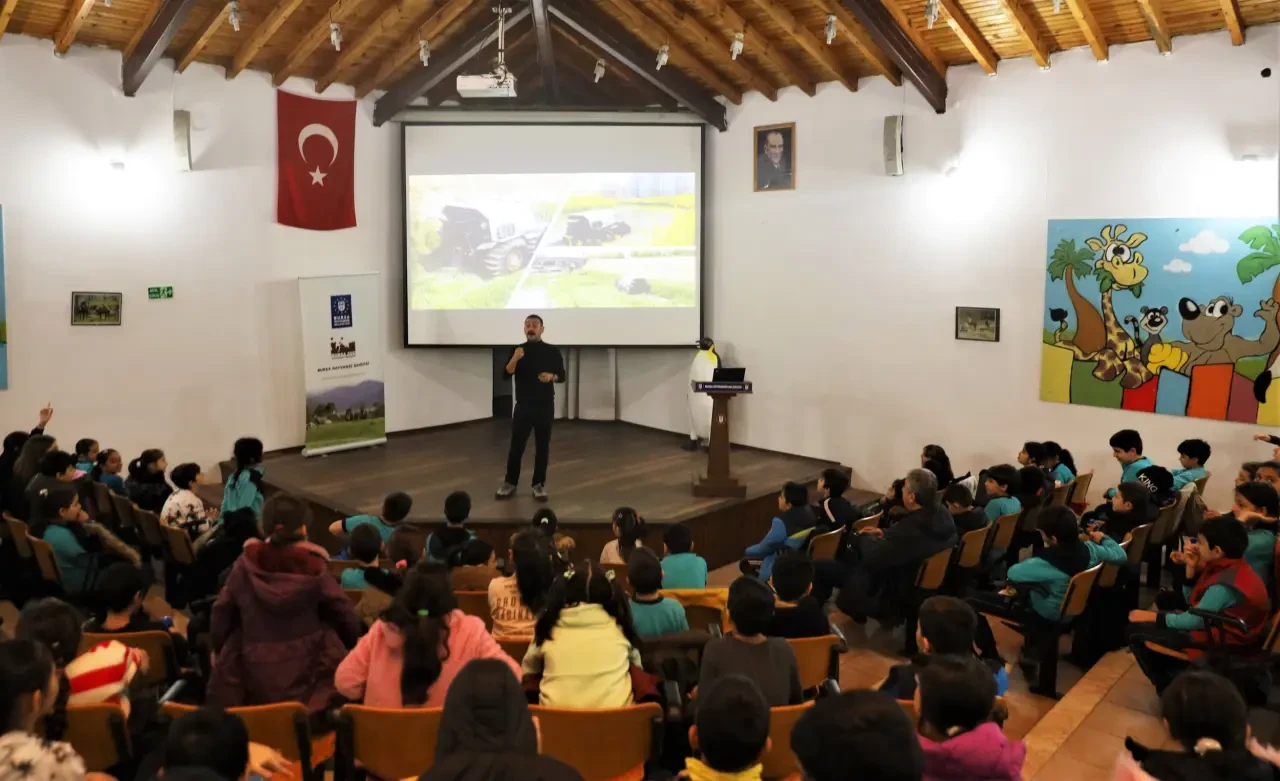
x: 884, y: 562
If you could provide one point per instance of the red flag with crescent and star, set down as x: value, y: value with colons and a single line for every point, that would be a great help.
x: 316, y: 162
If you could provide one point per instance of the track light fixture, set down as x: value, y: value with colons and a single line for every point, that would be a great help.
x: 930, y: 13
x: 831, y: 28
x: 335, y: 36
x: 735, y: 46
x: 662, y: 56
x: 1057, y: 6
x: 424, y: 51
x: 233, y: 15
x: 599, y: 71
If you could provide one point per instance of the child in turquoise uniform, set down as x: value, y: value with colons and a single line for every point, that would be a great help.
x: 366, y: 547
x: 1002, y: 482
x: 457, y: 508
x: 86, y: 454
x: 395, y: 508
x: 1257, y: 506
x: 681, y: 567
x: 61, y: 524
x: 106, y: 470
x: 1058, y: 460
x: 244, y: 487
x: 1032, y: 454
x: 652, y: 614
x: 1126, y: 447
x: 1192, y: 455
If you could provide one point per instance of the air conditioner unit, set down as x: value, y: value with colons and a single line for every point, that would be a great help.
x: 499, y: 84
x: 893, y: 145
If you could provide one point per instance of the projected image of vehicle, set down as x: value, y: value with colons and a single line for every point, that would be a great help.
x: 487, y: 239
x: 593, y: 228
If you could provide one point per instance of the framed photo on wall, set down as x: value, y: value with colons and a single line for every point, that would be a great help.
x: 96, y: 308
x: 775, y: 157
x: 977, y: 324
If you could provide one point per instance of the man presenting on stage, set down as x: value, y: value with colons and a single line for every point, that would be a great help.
x: 536, y: 365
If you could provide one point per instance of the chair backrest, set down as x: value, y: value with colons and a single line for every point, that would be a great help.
x: 780, y: 761
x: 619, y: 574
x: 99, y: 734
x: 281, y: 726
x: 1078, y: 591
x: 124, y: 510
x: 1006, y: 526
x: 1271, y: 640
x: 1202, y: 482
x: 45, y: 559
x: 475, y: 603
x: 156, y: 644
x: 1080, y: 490
x: 813, y: 657
x: 1163, y: 525
x: 515, y: 647
x: 179, y: 545
x: 20, y: 534
x: 102, y: 502
x: 702, y: 617
x: 909, y: 708
x: 577, y: 737
x: 1110, y: 572
x: 869, y: 522
x: 150, y: 526
x: 336, y: 567
x: 354, y: 594
x: 824, y: 546
x: 1138, y: 543
x: 392, y: 742
x: 972, y: 546
x: 1061, y: 494
x: 933, y: 570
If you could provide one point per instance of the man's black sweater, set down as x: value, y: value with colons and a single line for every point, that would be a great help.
x: 538, y: 357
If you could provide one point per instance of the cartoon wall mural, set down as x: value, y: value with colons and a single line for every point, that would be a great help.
x: 1184, y: 320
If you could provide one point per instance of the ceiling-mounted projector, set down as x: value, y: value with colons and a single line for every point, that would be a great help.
x: 499, y: 84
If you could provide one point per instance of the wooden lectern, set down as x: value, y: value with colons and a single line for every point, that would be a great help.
x: 718, y: 481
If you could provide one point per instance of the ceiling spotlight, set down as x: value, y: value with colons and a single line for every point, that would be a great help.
x: 662, y: 58
x: 335, y: 36
x: 424, y: 52
x: 930, y: 13
x: 831, y: 28
x: 1057, y: 6
x: 233, y: 15
x: 107, y: 3
x: 599, y: 71
x: 735, y: 46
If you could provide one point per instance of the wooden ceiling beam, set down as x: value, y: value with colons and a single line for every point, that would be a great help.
x: 142, y: 28
x: 878, y: 20
x: 969, y: 35
x: 391, y: 17
x: 1089, y: 26
x: 480, y: 34
x: 546, y: 54
x: 262, y: 34
x: 606, y: 34
x: 913, y: 34
x: 818, y: 50
x: 1153, y: 11
x: 694, y: 33
x: 313, y: 39
x: 407, y: 49
x: 1027, y: 31
x: 633, y: 90
x: 862, y: 41
x: 70, y: 26
x: 6, y: 12
x: 684, y: 59
x: 153, y: 44
x: 757, y: 45
x: 202, y: 39
x: 1235, y: 24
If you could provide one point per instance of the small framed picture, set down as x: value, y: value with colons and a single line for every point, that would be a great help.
x: 775, y: 157
x: 977, y: 324
x: 96, y: 308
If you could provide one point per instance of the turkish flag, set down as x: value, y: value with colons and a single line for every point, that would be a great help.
x: 316, y: 162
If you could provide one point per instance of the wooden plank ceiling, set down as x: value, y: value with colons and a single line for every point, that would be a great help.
x: 783, y: 41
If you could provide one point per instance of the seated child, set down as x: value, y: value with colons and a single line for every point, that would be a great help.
x: 1219, y: 579
x: 730, y: 733
x: 516, y: 599
x: 1002, y: 483
x: 957, y: 736
x: 652, y: 614
x: 395, y: 508
x: 854, y: 736
x: 1126, y: 447
x: 409, y: 658
x: 365, y: 547
x: 789, y: 529
x: 1032, y: 454
x: 768, y: 662
x: 184, y: 509
x: 121, y: 588
x: 959, y: 503
x: 797, y: 613
x: 440, y: 543
x: 81, y: 547
x: 1058, y: 460
x: 834, y: 511
x: 106, y: 470
x: 472, y: 566
x: 946, y: 626
x: 1269, y: 473
x: 628, y: 532
x: 681, y: 567
x: 583, y: 643
x: 547, y: 524
x: 86, y: 454
x: 1192, y: 455
x: 1129, y: 508
x: 404, y: 551
x: 1257, y: 506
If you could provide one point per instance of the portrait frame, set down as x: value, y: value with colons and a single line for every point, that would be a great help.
x: 977, y: 324
x: 759, y: 136
x: 94, y: 308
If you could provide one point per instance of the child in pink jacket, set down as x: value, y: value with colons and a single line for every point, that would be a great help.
x: 957, y: 737
x: 398, y: 663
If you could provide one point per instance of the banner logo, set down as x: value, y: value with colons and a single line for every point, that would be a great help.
x: 339, y: 348
x: 340, y: 311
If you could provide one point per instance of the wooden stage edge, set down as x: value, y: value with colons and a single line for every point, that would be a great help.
x: 595, y: 467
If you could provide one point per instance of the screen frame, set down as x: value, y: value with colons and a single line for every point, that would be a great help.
x: 702, y: 233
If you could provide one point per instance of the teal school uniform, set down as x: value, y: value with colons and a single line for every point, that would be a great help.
x: 354, y: 578
x: 1130, y: 473
x: 1183, y: 476
x: 1261, y: 553
x: 241, y: 492
x: 1218, y: 598
x: 655, y: 619
x: 1001, y: 506
x: 383, y: 528
x: 684, y: 570
x: 74, y: 562
x: 1048, y: 584
x: 1062, y: 474
x: 115, y: 483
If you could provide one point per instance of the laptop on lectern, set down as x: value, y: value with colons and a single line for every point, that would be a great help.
x: 729, y: 375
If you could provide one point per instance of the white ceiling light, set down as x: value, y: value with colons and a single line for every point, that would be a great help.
x: 335, y: 36
x: 662, y: 56
x: 424, y: 51
x: 599, y: 71
x: 930, y: 13
x: 735, y: 46
x: 233, y: 15
x: 1057, y: 6
x: 831, y: 28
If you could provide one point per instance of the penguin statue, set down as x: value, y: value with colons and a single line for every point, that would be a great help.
x: 705, y: 362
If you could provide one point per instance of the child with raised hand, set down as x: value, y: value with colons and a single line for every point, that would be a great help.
x: 366, y: 547
x: 473, y: 565
x: 730, y: 733
x: 857, y: 736
x: 146, y: 483
x: 244, y: 487
x: 1002, y: 485
x: 957, y: 736
x: 1058, y: 460
x: 440, y: 543
x: 409, y: 658
x: 86, y: 454
x: 796, y: 614
x: 959, y: 502
x: 946, y: 627
x: 106, y: 470
x: 768, y: 661
x: 584, y: 643
x: 1193, y: 454
x: 1257, y: 506
x: 628, y: 530
x: 652, y: 614
x: 681, y: 567
x: 515, y: 600
x: 184, y: 509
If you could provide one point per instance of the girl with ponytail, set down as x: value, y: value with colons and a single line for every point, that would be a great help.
x: 106, y: 470
x: 1059, y: 463
x: 244, y: 486
x: 421, y: 643
x: 629, y: 529
x: 146, y: 484
x: 29, y: 689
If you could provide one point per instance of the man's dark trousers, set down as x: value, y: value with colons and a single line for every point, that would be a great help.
x: 536, y: 418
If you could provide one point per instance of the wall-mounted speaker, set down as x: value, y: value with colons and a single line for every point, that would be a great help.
x: 893, y: 145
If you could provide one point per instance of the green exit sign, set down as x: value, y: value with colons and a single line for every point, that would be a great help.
x: 154, y: 293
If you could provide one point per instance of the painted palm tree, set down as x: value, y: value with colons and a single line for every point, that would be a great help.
x: 1067, y: 262
x: 1265, y: 243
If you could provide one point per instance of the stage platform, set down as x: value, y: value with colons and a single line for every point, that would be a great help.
x: 595, y: 467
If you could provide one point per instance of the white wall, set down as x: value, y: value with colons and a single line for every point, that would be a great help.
x: 222, y: 359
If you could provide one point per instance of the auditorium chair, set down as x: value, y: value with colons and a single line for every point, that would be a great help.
x: 391, y: 743
x: 704, y: 618
x: 475, y: 603
x: 336, y: 567
x: 178, y: 543
x: 104, y: 511
x: 1202, y: 482
x: 818, y: 659
x: 20, y: 535
x: 515, y: 647
x: 47, y: 561
x: 100, y: 735
x: 1006, y: 528
x: 870, y: 522
x: 706, y: 609
x: 1164, y: 532
x: 613, y: 743
x: 968, y: 560
x: 354, y: 594
x: 1061, y: 494
x: 1079, y: 499
x: 283, y: 726
x: 124, y: 510
x: 156, y: 644
x: 929, y: 581
x: 619, y: 576
x: 780, y: 761
x: 825, y: 546
x: 1135, y: 543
